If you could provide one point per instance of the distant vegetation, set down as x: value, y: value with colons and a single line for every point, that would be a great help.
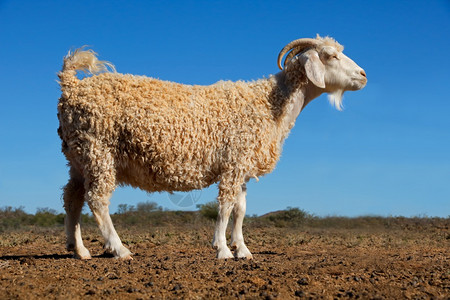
x: 150, y: 214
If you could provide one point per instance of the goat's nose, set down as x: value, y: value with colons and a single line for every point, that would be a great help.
x: 362, y: 73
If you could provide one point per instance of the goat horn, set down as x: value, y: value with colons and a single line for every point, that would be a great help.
x: 298, y: 46
x: 292, y: 53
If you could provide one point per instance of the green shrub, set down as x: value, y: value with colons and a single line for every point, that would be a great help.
x: 47, y: 217
x: 13, y: 218
x: 125, y: 208
x: 209, y: 210
x: 147, y: 207
x: 291, y: 217
x: 87, y: 219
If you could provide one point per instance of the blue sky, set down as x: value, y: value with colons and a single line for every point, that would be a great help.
x: 387, y: 153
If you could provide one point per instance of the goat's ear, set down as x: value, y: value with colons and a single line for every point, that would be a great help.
x: 315, y: 69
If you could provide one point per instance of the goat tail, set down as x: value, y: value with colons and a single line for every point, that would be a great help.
x: 82, y: 60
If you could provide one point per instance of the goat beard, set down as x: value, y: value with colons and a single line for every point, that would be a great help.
x: 335, y: 99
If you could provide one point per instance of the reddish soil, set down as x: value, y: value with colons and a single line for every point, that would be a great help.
x: 178, y: 263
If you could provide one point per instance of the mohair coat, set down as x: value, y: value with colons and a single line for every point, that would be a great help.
x: 165, y: 136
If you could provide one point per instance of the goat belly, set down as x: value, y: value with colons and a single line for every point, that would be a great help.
x: 159, y: 171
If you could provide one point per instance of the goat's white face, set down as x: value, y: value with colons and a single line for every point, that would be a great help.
x: 333, y: 71
x: 340, y: 71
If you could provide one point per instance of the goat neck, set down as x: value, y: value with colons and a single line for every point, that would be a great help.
x: 296, y: 97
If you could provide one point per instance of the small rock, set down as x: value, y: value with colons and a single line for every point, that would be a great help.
x: 132, y: 290
x: 303, y: 281
x: 112, y: 276
x: 107, y: 292
x: 299, y: 293
x: 90, y: 292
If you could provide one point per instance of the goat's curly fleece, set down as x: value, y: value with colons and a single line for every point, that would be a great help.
x: 165, y: 136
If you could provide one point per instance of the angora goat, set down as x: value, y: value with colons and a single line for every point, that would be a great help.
x: 157, y: 135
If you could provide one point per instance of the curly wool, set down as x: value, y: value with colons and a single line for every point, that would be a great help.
x: 165, y: 136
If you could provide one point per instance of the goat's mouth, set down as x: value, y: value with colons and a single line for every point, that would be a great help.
x: 358, y: 83
x: 363, y: 82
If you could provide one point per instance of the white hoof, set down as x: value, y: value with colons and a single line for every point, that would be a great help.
x: 82, y: 253
x: 243, y: 252
x: 224, y: 253
x: 125, y: 254
x: 122, y: 253
x: 128, y: 257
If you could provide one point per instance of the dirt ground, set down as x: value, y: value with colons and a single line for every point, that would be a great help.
x: 178, y: 263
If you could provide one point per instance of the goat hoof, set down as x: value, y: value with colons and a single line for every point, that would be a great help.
x: 243, y: 252
x: 127, y: 257
x: 224, y: 254
x: 82, y: 253
x: 82, y: 257
x: 123, y: 254
x: 248, y: 256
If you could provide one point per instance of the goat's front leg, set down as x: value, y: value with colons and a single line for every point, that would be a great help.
x: 220, y: 241
x: 237, y: 238
x: 100, y: 182
x: 228, y: 191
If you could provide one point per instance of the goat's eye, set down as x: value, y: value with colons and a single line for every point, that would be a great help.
x: 334, y: 56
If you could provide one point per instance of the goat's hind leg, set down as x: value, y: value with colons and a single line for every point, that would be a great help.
x: 113, y: 244
x: 73, y: 203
